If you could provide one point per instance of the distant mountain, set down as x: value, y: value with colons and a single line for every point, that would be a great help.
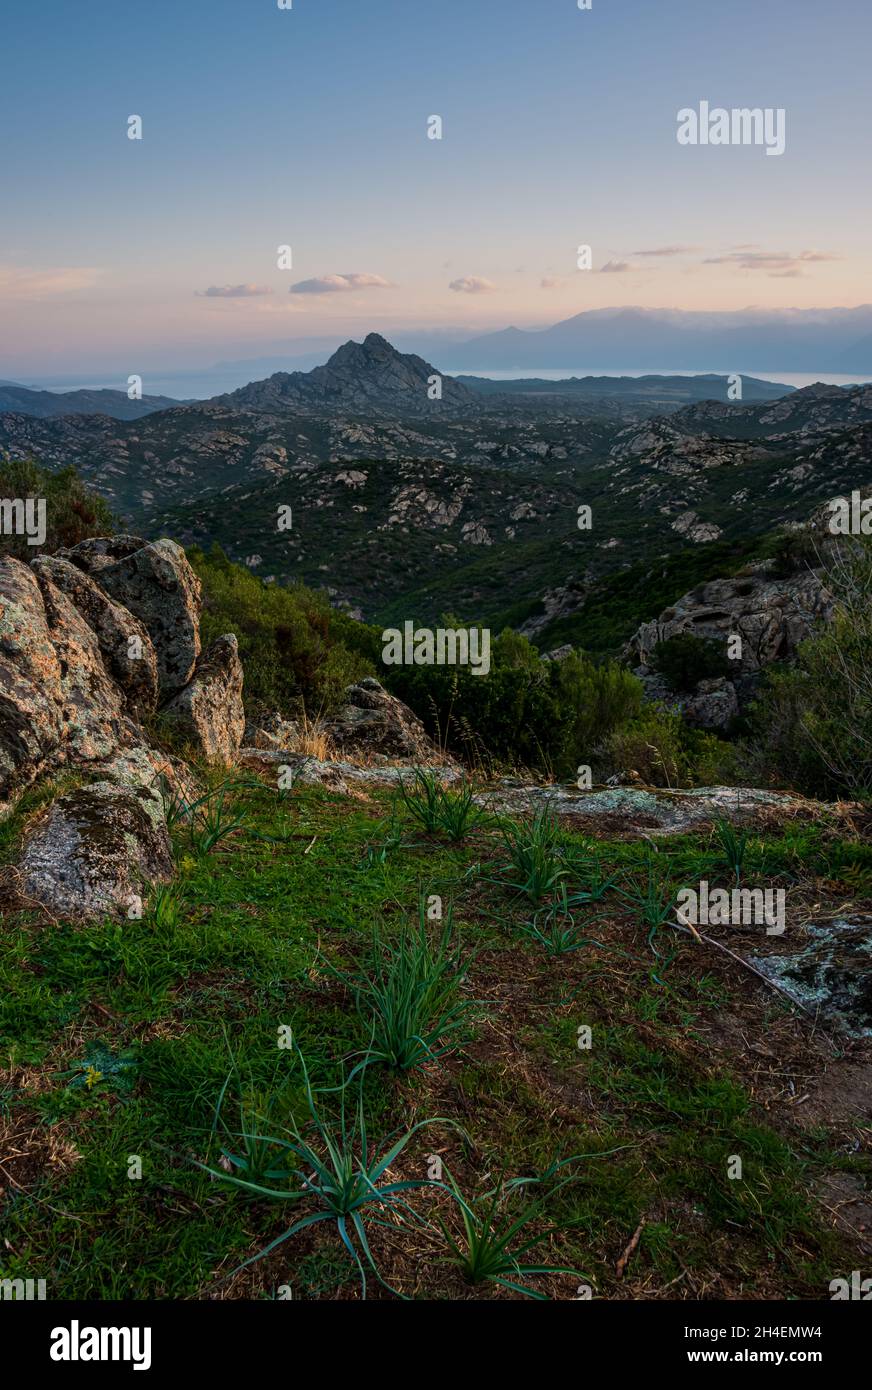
x: 46, y: 405
x: 813, y: 340
x: 369, y: 377
x: 657, y: 392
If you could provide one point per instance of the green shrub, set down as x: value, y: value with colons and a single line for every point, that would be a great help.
x: 812, y: 725
x: 684, y: 660
x: 795, y: 552
x: 526, y: 712
x: 298, y: 653
x: 664, y: 752
x: 73, y: 512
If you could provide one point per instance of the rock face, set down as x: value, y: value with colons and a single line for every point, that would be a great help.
x: 31, y: 719
x: 714, y: 705
x: 209, y: 711
x: 79, y: 668
x: 127, y: 649
x: 58, y: 704
x: 373, y: 722
x: 154, y: 582
x: 96, y: 850
x: 831, y: 974
x: 771, y: 615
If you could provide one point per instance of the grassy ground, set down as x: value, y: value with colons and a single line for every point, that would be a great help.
x: 118, y: 1040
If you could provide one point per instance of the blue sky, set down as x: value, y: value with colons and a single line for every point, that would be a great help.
x: 308, y: 127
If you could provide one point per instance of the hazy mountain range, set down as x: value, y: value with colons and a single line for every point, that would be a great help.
x: 808, y: 340
x: 373, y: 379
x: 659, y: 342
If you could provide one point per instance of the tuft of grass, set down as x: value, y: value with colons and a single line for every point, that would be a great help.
x: 313, y: 739
x: 166, y: 903
x: 653, y: 897
x: 409, y: 1001
x: 214, y: 819
x: 733, y: 845
x: 555, y: 928
x: 440, y: 810
x: 536, y: 860
x: 459, y: 812
x: 245, y: 1150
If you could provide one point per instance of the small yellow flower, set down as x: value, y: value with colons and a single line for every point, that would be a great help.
x: 92, y: 1076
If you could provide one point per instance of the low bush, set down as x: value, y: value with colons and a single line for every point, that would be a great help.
x: 73, y: 512
x: 684, y: 660
x: 298, y: 653
x: 812, y: 724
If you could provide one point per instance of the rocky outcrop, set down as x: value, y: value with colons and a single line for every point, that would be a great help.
x: 154, y: 582
x: 272, y: 731
x: 772, y: 616
x: 830, y: 973
x: 554, y: 604
x: 79, y: 670
x: 57, y: 702
x: 93, y: 707
x: 713, y: 705
x: 31, y: 722
x: 371, y: 378
x: 373, y: 723
x: 96, y: 850
x: 208, y: 713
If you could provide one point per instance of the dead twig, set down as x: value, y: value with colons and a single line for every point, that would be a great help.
x: 634, y: 1241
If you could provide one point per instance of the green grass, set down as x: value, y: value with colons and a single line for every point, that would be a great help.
x: 118, y: 1040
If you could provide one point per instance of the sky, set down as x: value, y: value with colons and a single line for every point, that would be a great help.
x: 308, y: 127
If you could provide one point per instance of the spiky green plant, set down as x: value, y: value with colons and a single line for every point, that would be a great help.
x: 556, y: 928
x: 215, y: 818
x: 246, y: 1149
x: 499, y: 1233
x: 165, y: 903
x: 459, y: 812
x: 421, y: 798
x: 333, y: 1169
x: 733, y: 846
x: 452, y: 812
x: 653, y: 897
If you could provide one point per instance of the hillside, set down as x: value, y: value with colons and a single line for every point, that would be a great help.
x: 480, y: 987
x: 401, y: 505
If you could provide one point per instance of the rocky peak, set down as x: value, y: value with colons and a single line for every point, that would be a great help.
x: 371, y: 376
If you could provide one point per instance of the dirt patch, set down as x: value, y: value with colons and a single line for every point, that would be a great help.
x: 844, y: 1198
